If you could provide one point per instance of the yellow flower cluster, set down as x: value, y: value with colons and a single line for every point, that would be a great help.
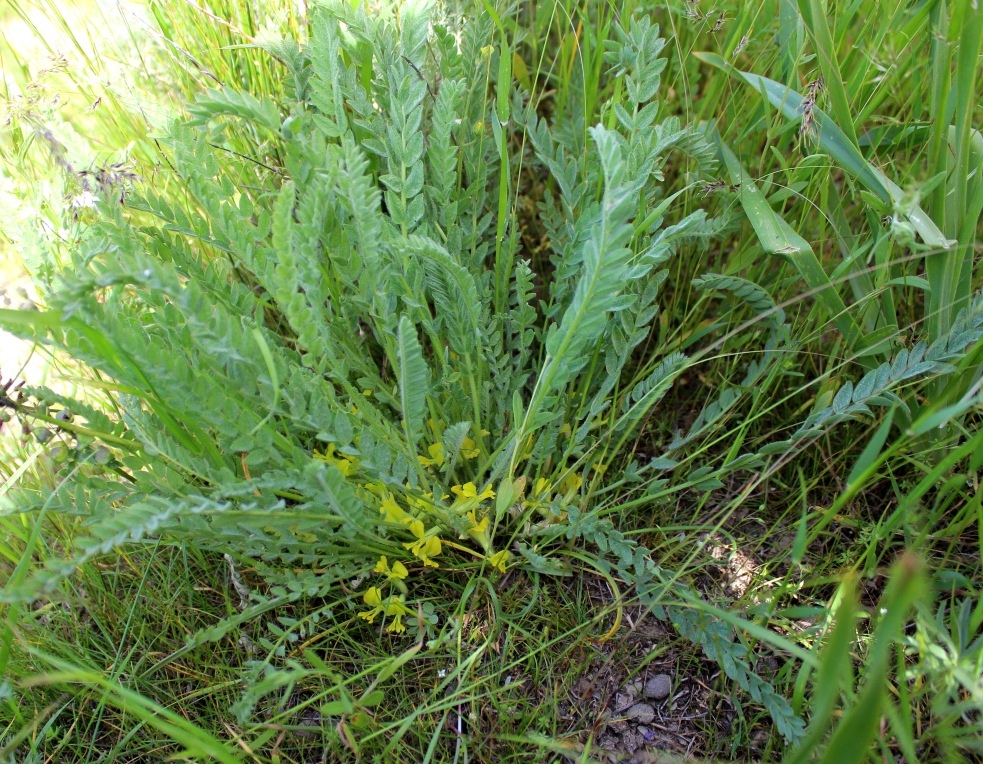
x: 346, y: 464
x: 468, y: 503
x: 438, y: 456
x: 393, y: 606
x: 396, y: 573
x: 469, y: 492
x: 543, y: 491
x: 427, y: 544
x: 499, y: 559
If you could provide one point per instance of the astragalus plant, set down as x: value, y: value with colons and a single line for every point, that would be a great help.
x: 355, y: 374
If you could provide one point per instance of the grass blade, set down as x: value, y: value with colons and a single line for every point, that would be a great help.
x: 834, y: 141
x: 871, y: 451
x: 853, y: 735
x: 778, y: 238
x: 196, y: 741
x: 834, y: 674
x: 789, y: 38
x: 951, y: 276
x: 814, y: 16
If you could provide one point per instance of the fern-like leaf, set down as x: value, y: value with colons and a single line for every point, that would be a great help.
x: 412, y: 382
x: 605, y: 260
x: 760, y: 301
x: 235, y: 103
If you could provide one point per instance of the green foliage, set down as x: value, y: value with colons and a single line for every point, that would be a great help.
x: 336, y: 357
x: 229, y: 393
x: 948, y: 652
x: 942, y: 234
x: 856, y: 728
x: 876, y: 388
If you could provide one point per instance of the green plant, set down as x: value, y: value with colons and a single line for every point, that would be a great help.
x: 943, y: 237
x: 324, y: 377
x: 401, y: 322
x: 83, y: 103
x: 946, y: 676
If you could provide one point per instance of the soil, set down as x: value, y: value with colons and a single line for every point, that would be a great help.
x: 633, y: 707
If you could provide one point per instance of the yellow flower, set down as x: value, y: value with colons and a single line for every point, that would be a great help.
x: 541, y: 490
x: 345, y: 465
x: 436, y: 458
x: 424, y: 502
x: 571, y: 483
x: 499, y: 559
x: 379, y: 489
x: 395, y: 609
x: 373, y: 598
x: 424, y: 547
x: 469, y: 491
x: 393, y: 512
x: 398, y: 570
x: 392, y: 607
x: 469, y: 449
x: 396, y: 626
x: 477, y: 527
x: 464, y: 492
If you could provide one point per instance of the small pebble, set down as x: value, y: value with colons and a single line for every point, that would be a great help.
x: 642, y: 713
x: 608, y: 743
x: 658, y: 687
x: 631, y: 741
x: 623, y: 700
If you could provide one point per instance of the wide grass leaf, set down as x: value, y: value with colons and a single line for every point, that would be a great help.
x: 844, y: 151
x: 853, y: 735
x: 778, y: 238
